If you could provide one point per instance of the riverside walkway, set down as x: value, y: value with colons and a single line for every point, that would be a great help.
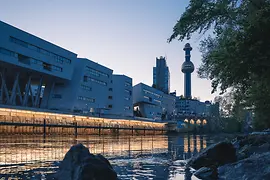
x: 35, y: 121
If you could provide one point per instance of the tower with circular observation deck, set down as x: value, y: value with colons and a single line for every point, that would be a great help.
x: 187, y: 69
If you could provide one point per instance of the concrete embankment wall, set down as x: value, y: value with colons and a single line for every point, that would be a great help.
x: 15, y: 121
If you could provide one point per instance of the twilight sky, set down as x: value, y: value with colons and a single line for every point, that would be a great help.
x: 124, y: 35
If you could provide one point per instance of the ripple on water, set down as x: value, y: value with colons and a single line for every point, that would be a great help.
x: 136, y: 157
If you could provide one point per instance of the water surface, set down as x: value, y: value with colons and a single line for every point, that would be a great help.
x: 133, y: 157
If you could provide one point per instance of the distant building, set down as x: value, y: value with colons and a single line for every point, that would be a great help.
x: 192, y: 108
x: 152, y: 103
x: 168, y: 105
x: 187, y: 69
x: 122, y: 96
x: 161, y: 75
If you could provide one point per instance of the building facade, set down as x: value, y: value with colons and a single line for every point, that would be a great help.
x: 168, y: 105
x: 161, y: 75
x: 27, y: 61
x: 191, y: 108
x: 122, y: 96
x: 152, y: 103
x: 36, y: 73
x: 88, y: 91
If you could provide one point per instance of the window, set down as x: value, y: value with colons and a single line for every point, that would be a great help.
x: 109, y: 97
x: 127, y: 98
x: 24, y: 59
x: 57, y: 96
x: 110, y: 106
x: 57, y: 68
x: 88, y: 79
x: 59, y: 61
x: 58, y: 58
x: 128, y: 91
x: 96, y: 72
x: 19, y: 42
x: 7, y: 52
x: 149, y: 92
x: 110, y: 89
x: 47, y: 66
x: 84, y: 78
x: 146, y: 97
x: 127, y: 108
x: 86, y: 99
x: 157, y: 101
x: 127, y: 84
x: 87, y: 88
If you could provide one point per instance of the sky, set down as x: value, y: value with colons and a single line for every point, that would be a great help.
x: 124, y: 35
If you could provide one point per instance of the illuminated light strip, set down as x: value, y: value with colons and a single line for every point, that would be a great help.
x: 15, y: 112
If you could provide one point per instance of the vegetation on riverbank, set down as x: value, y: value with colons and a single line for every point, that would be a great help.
x: 236, y: 56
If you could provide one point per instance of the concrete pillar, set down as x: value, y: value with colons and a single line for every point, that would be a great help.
x: 4, y: 87
x: 26, y: 95
x: 12, y: 98
x: 37, y: 99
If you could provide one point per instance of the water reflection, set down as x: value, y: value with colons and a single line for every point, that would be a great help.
x: 133, y: 157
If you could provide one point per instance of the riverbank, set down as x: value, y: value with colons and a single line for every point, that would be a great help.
x: 244, y: 157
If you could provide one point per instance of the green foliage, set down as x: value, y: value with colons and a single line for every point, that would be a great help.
x: 231, y: 125
x: 237, y: 55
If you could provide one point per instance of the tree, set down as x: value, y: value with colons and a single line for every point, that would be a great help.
x: 237, y: 55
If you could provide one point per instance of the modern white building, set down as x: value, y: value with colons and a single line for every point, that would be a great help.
x: 152, y: 103
x: 192, y: 107
x: 37, y: 73
x: 88, y: 91
x: 168, y: 105
x: 122, y: 96
x: 25, y: 61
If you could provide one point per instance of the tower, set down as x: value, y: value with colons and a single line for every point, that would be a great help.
x: 187, y: 69
x: 161, y: 75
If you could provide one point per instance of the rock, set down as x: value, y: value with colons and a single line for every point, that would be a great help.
x: 243, y: 152
x: 206, y: 173
x: 255, y: 167
x: 254, y: 140
x: 251, y: 144
x: 80, y: 164
x: 214, y: 156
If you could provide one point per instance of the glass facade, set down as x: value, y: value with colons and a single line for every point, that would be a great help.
x: 161, y: 75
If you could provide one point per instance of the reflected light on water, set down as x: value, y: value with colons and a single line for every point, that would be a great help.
x: 133, y: 157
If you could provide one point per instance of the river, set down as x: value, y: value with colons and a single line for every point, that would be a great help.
x: 133, y: 157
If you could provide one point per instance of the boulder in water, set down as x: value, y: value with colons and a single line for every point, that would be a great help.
x: 80, y: 164
x: 214, y: 156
